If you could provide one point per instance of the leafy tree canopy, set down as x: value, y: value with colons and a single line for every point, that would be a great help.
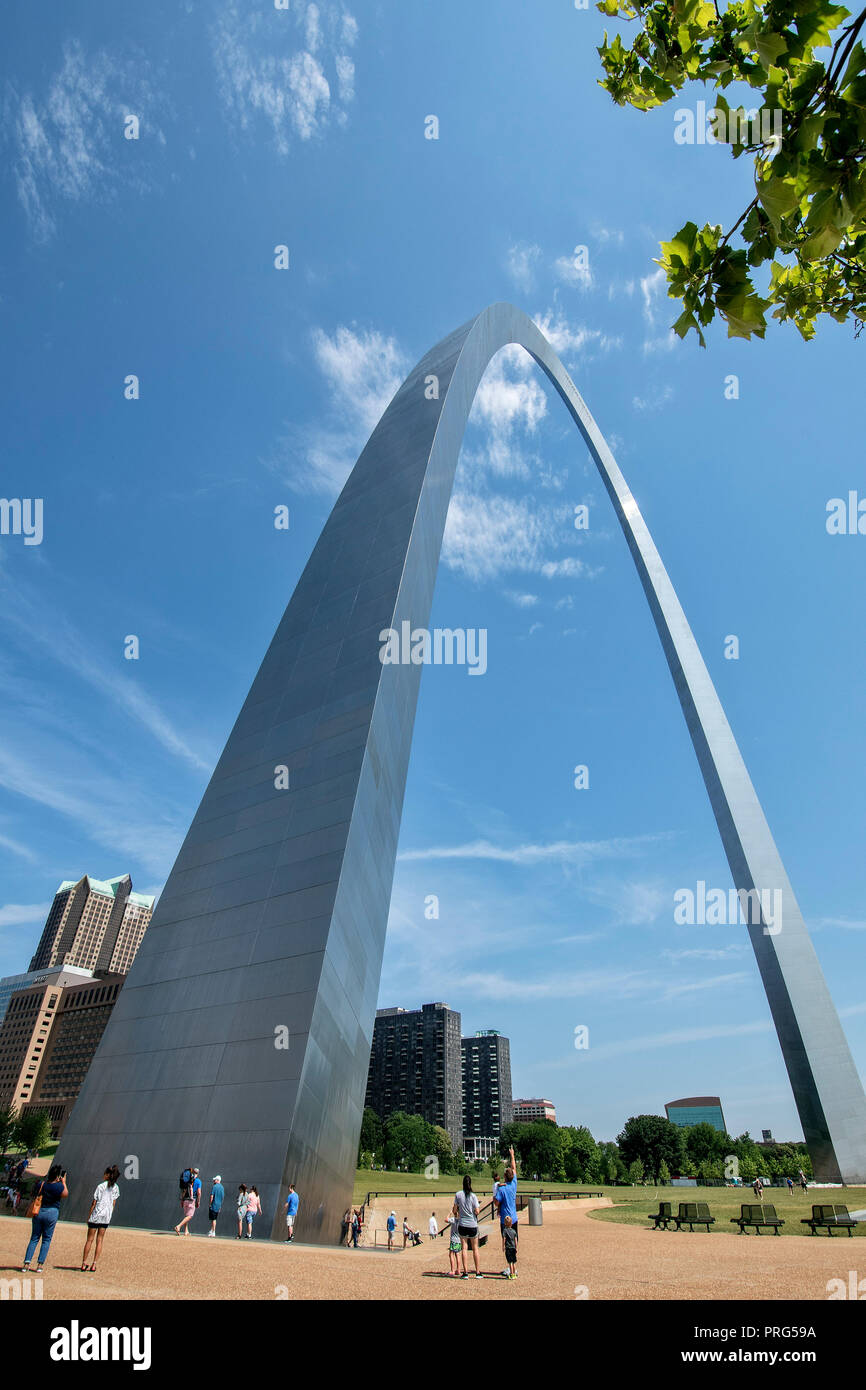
x: 807, y: 215
x: 652, y: 1139
x: 372, y: 1132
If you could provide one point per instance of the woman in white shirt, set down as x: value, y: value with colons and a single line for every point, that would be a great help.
x: 466, y: 1210
x: 101, y: 1209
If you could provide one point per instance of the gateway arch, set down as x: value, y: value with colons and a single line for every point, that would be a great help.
x: 241, y: 1039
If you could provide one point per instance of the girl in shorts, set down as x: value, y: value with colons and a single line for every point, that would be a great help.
x: 101, y: 1211
x: 254, y: 1206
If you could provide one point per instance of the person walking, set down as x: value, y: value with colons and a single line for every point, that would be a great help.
x: 407, y: 1231
x: 758, y: 1188
x: 215, y: 1206
x: 433, y: 1226
x: 101, y: 1212
x: 392, y: 1226
x: 466, y: 1210
x: 242, y: 1207
x: 254, y: 1206
x: 345, y: 1226
x: 356, y: 1228
x: 293, y: 1201
x: 505, y: 1200
x: 44, y: 1211
x: 190, y: 1197
x: 510, y: 1238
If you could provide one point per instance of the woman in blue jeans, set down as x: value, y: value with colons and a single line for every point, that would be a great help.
x: 53, y: 1190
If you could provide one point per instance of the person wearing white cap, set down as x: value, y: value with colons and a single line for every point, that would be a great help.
x: 217, y: 1197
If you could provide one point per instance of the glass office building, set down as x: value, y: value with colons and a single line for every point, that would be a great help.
x: 697, y: 1110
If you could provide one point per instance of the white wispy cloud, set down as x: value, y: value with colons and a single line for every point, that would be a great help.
x: 680, y: 1037
x: 673, y: 991
x: 15, y: 847
x: 653, y: 401
x: 521, y: 261
x: 657, y: 311
x: 22, y: 914
x: 67, y: 139
x: 273, y: 66
x: 626, y: 984
x: 70, y: 649
x: 487, y: 536
x: 362, y: 369
x: 558, y: 851
x: 571, y: 271
x: 109, y: 812
x: 706, y: 952
x: 571, y: 340
x: 846, y: 923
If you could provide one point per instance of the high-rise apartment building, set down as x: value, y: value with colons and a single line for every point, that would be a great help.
x: 79, y: 1022
x: 24, y: 1034
x: 95, y: 924
x: 48, y: 1038
x: 415, y: 1066
x: 486, y: 1091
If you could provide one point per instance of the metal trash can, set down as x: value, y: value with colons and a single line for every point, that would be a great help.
x: 535, y: 1216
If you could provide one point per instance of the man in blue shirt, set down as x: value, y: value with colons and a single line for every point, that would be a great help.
x: 505, y: 1200
x: 392, y: 1225
x: 292, y: 1203
x: 217, y: 1197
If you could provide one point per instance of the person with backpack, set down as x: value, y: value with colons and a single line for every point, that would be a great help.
x: 190, y: 1197
x: 101, y: 1211
x: 44, y: 1209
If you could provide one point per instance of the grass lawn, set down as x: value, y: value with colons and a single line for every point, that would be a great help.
x: 633, y: 1205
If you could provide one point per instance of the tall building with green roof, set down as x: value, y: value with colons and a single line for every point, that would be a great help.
x: 94, y: 924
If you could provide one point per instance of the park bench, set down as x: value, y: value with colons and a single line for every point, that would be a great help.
x: 833, y: 1218
x: 693, y: 1214
x: 758, y: 1216
x: 663, y: 1217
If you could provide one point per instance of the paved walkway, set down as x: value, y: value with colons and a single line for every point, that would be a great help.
x: 570, y: 1253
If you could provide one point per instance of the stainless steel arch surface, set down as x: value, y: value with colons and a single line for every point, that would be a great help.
x: 241, y: 1039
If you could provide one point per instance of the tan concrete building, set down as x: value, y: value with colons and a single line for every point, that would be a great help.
x: 24, y: 1035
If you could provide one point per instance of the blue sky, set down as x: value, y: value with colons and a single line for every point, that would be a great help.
x: 258, y: 387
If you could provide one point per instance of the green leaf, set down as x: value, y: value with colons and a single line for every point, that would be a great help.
x: 778, y: 198
x: 682, y: 246
x: 769, y: 47
x: 820, y: 244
